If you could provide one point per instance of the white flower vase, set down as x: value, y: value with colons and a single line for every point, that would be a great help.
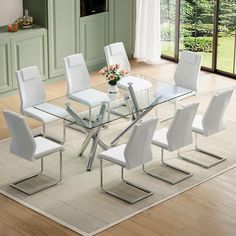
x: 113, y: 91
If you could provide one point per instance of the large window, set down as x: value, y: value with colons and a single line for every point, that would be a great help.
x: 204, y: 26
x: 168, y: 29
x: 226, y: 49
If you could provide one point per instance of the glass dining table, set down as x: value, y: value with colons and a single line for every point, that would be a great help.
x: 128, y: 104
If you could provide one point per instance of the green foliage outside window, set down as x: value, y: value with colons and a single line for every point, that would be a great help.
x: 196, y: 21
x: 200, y: 44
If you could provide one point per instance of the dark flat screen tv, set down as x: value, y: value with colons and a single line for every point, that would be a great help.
x: 90, y: 7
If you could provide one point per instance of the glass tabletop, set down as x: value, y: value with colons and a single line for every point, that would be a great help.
x: 127, y: 103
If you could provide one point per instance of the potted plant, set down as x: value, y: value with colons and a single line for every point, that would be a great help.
x: 113, y: 74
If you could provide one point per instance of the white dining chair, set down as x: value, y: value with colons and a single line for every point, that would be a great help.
x: 212, y: 122
x: 177, y: 136
x: 78, y: 84
x: 133, y: 154
x: 32, y: 93
x: 186, y: 75
x: 24, y: 145
x: 187, y: 71
x: 115, y: 54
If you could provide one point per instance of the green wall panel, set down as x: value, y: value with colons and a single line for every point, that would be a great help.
x: 93, y: 38
x: 28, y: 50
x: 5, y: 70
x: 62, y: 33
x: 122, y: 23
x: 67, y: 33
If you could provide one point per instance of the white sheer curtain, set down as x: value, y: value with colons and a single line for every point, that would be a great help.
x: 148, y: 35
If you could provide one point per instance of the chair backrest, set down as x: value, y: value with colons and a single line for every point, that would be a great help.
x: 179, y: 133
x: 76, y: 73
x: 213, y: 120
x: 31, y: 87
x: 22, y: 143
x: 138, y: 149
x: 187, y: 71
x: 115, y: 54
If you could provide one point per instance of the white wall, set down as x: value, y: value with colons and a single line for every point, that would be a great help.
x: 10, y: 10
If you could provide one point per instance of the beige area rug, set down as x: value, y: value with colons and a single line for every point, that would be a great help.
x: 78, y: 203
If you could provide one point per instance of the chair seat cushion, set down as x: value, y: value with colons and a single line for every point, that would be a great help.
x: 159, y: 138
x: 39, y: 115
x: 45, y: 147
x: 137, y: 83
x: 90, y: 97
x: 115, y: 155
x: 197, y: 124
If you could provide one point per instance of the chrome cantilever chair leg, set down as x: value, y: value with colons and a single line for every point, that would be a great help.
x: 125, y: 103
x: 90, y: 116
x: 146, y: 193
x: 108, y: 112
x: 52, y: 138
x: 188, y: 174
x: 64, y: 131
x: 50, y: 181
x: 219, y: 159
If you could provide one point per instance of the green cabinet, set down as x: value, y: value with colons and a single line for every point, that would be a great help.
x: 68, y: 33
x: 5, y: 65
x: 21, y: 49
x: 61, y: 33
x: 30, y: 49
x: 93, y: 38
x: 122, y: 23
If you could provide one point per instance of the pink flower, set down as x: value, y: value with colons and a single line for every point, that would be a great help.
x: 117, y: 66
x: 102, y: 72
x: 122, y: 72
x: 112, y: 77
x: 113, y: 72
x: 111, y: 67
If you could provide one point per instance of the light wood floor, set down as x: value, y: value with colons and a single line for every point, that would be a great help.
x: 208, y: 209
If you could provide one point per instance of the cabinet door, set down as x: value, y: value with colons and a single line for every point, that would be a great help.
x: 122, y: 23
x: 5, y: 71
x: 30, y: 49
x: 93, y: 38
x: 61, y: 32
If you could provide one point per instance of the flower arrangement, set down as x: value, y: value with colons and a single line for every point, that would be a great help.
x: 113, y: 73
